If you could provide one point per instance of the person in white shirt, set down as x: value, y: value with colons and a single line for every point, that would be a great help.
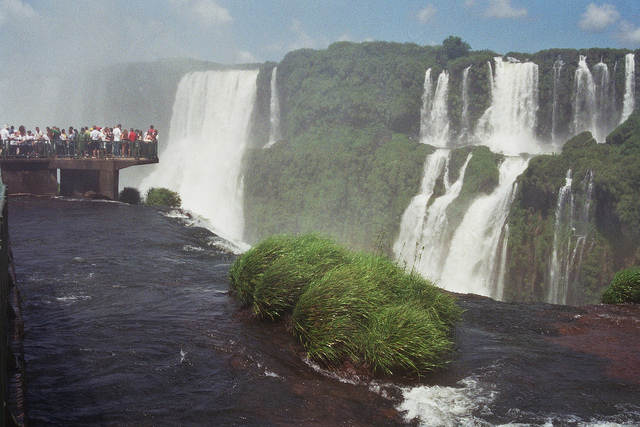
x: 117, y: 138
x: 4, y: 140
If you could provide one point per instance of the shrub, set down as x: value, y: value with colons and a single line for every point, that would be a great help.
x: 625, y: 287
x: 130, y: 195
x: 163, y: 197
x: 360, y: 308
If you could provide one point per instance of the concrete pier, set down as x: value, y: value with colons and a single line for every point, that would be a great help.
x: 77, y: 175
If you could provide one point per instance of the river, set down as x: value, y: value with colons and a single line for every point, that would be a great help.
x: 129, y: 321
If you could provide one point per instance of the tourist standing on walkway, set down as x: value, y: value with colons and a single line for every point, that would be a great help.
x: 117, y: 138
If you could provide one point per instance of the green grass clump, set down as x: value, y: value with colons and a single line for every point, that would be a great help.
x: 360, y: 308
x: 625, y: 287
x: 271, y: 275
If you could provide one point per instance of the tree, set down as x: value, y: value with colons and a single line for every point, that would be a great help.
x: 454, y: 47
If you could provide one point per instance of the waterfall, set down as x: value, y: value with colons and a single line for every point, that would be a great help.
x: 464, y: 119
x: 629, y: 102
x: 406, y: 248
x: 436, y: 128
x: 472, y: 263
x: 427, y: 102
x: 432, y: 243
x: 508, y: 125
x: 207, y: 137
x: 274, y: 115
x: 557, y: 70
x: 584, y: 100
x: 574, y: 217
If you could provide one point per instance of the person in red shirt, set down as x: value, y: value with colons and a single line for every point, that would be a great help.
x: 133, y: 143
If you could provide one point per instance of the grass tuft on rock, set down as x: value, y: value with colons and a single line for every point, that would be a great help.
x: 624, y: 288
x: 348, y: 307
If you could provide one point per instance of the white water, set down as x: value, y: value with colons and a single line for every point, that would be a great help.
x: 432, y: 240
x: 584, y: 100
x: 557, y: 70
x: 508, y: 126
x: 407, y: 246
x: 469, y: 259
x: 629, y: 102
x: 472, y: 260
x: 425, y: 109
x: 274, y: 111
x: 464, y: 120
x: 436, y: 128
x: 207, y: 138
x: 572, y: 222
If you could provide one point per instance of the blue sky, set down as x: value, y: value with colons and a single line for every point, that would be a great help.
x: 81, y: 32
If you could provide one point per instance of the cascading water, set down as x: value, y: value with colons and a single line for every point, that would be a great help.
x: 433, y: 240
x: 470, y: 258
x: 629, y: 102
x: 508, y: 125
x: 472, y: 265
x: 207, y: 138
x: 557, y: 70
x: 464, y: 119
x: 436, y: 131
x: 425, y: 109
x: 574, y: 217
x: 274, y: 115
x: 584, y: 100
x: 407, y: 246
x: 604, y: 103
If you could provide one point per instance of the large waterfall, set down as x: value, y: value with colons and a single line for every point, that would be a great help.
x: 468, y: 257
x: 508, y: 126
x: 435, y: 114
x: 207, y: 137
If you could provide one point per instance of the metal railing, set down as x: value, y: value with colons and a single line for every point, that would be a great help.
x: 78, y: 149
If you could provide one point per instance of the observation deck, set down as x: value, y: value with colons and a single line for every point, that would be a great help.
x: 38, y: 173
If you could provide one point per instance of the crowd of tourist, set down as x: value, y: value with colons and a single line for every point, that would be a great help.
x: 87, y: 142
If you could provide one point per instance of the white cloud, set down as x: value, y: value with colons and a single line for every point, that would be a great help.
x: 206, y: 13
x: 15, y: 9
x: 244, y: 57
x: 427, y: 15
x: 303, y: 39
x: 629, y: 34
x: 597, y: 18
x: 503, y: 9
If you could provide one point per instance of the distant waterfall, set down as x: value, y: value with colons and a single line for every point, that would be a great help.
x: 464, y: 119
x: 473, y: 262
x: 407, y: 246
x: 436, y: 127
x: 207, y: 138
x: 425, y: 109
x: 584, y: 100
x: 433, y: 240
x: 557, y: 70
x: 508, y: 125
x: 629, y: 87
x: 574, y: 216
x: 274, y: 116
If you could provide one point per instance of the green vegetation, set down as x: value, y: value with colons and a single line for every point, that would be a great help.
x: 360, y: 308
x: 624, y: 288
x: 163, y: 197
x: 614, y: 235
x: 130, y: 195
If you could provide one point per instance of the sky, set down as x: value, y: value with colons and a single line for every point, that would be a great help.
x: 75, y: 33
